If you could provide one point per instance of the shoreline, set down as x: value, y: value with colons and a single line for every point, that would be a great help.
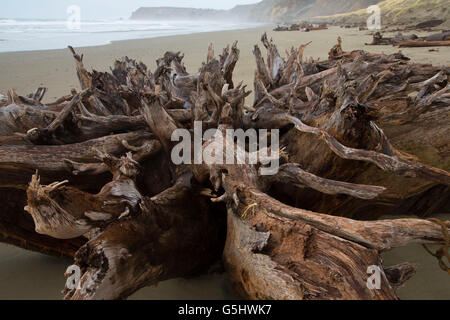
x: 55, y: 69
x: 147, y: 37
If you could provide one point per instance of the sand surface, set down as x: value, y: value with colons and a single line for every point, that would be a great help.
x: 25, y: 275
x: 55, y: 69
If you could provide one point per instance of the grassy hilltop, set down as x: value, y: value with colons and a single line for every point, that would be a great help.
x: 406, y: 12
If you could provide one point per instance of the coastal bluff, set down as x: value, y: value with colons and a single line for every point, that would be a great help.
x: 178, y: 13
x: 264, y: 11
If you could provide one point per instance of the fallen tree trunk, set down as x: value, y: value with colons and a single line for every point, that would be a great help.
x: 107, y: 185
x: 421, y: 44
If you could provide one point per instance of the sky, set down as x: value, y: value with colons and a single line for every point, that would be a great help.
x: 100, y: 9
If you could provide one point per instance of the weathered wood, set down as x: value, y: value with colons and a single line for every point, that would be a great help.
x: 350, y: 130
x: 19, y: 163
x: 171, y: 227
x: 421, y: 44
x: 292, y: 173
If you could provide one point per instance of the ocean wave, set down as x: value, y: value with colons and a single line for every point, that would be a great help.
x: 23, y: 35
x: 98, y: 27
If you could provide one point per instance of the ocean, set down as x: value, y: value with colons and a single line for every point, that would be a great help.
x: 28, y: 35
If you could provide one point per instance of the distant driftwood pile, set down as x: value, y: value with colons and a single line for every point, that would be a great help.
x: 93, y: 171
x: 412, y: 41
x: 303, y: 26
x: 399, y: 26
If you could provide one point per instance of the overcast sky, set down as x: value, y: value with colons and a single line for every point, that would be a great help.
x: 100, y: 9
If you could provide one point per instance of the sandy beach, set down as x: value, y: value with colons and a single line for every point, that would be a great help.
x: 26, y: 275
x: 55, y: 69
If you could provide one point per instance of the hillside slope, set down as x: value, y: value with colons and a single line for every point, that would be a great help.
x: 406, y: 12
x: 264, y: 11
x: 291, y: 10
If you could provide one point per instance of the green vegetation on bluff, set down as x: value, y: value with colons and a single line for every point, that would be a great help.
x: 406, y: 12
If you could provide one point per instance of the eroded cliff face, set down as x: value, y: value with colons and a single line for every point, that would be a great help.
x: 281, y: 10
x: 264, y: 11
x: 327, y: 7
x: 344, y: 11
x: 288, y: 10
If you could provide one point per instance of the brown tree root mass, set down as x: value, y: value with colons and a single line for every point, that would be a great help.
x: 362, y: 135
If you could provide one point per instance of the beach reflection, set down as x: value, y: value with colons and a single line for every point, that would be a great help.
x: 29, y: 275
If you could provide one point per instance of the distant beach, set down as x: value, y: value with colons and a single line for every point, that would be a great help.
x: 28, y: 35
x: 54, y: 69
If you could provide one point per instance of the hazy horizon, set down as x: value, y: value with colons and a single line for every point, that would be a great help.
x: 101, y: 9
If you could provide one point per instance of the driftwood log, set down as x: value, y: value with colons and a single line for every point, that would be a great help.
x: 422, y: 44
x: 378, y: 39
x: 412, y: 40
x: 362, y: 135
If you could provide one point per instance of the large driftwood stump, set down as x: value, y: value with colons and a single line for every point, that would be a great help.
x: 362, y: 135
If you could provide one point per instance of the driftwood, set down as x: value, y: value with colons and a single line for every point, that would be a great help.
x: 303, y: 26
x: 379, y: 39
x: 281, y: 28
x: 361, y: 135
x: 443, y: 36
x: 405, y: 25
x: 412, y: 41
x: 419, y: 44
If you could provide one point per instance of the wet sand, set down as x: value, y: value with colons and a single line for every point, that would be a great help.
x: 27, y: 275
